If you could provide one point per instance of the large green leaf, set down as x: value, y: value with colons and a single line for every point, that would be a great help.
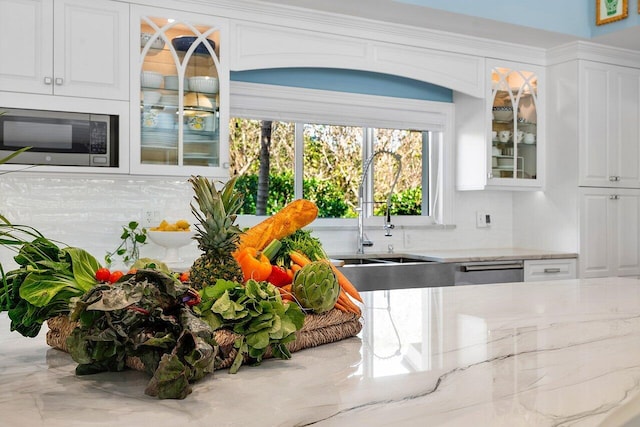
x: 84, y: 267
x: 40, y: 289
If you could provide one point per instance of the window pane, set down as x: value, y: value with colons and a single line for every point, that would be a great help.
x: 256, y: 143
x: 332, y: 168
x: 406, y: 198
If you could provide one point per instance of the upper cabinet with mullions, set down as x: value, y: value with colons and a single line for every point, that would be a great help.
x: 65, y: 47
x: 180, y: 93
x: 609, y: 132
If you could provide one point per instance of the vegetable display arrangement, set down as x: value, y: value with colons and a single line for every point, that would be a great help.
x: 256, y: 286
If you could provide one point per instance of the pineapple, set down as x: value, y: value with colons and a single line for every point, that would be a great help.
x: 216, y: 233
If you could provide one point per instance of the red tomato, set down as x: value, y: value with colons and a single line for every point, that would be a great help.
x: 103, y: 274
x: 115, y: 276
x: 184, y: 276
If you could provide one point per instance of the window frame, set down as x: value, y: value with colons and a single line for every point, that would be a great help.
x: 300, y: 105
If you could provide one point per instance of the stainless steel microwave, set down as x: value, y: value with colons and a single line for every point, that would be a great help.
x: 59, y: 138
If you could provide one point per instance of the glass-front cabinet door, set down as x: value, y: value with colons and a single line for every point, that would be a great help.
x: 182, y: 95
x: 515, y: 157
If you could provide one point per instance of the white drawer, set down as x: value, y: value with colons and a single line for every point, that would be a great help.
x: 549, y: 269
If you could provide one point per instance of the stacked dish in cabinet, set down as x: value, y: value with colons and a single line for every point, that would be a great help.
x: 179, y: 96
x: 514, y: 123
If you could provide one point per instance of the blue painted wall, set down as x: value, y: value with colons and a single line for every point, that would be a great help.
x: 347, y: 81
x: 574, y: 17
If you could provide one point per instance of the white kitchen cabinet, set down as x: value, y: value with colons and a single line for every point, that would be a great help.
x: 65, y: 47
x: 549, y: 269
x: 500, y: 138
x: 609, y: 232
x: 609, y: 125
x: 180, y: 92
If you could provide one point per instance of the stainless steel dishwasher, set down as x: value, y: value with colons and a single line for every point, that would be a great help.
x: 477, y: 273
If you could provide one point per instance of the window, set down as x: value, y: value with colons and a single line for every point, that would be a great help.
x: 315, y: 144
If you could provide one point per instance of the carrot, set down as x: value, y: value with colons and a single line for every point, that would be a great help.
x: 341, y: 307
x: 345, y: 283
x: 343, y: 299
x: 286, y: 288
x: 286, y: 221
x: 295, y: 268
x: 298, y: 258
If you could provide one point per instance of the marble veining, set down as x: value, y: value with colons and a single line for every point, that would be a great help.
x: 558, y: 353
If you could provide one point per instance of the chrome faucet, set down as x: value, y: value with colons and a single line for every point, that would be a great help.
x: 388, y: 226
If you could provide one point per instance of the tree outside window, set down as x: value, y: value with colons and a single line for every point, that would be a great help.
x: 263, y: 154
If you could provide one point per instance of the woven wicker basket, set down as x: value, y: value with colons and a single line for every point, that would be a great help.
x: 318, y: 329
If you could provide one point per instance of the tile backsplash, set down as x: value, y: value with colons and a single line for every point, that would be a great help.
x: 88, y: 211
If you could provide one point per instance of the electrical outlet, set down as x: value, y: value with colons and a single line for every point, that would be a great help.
x: 150, y: 218
x: 407, y: 239
x: 483, y: 219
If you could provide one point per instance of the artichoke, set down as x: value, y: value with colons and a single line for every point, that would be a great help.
x: 316, y: 287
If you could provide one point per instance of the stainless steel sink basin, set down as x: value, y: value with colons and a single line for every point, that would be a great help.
x: 359, y: 261
x: 394, y: 271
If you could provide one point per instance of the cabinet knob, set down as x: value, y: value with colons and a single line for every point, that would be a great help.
x: 614, y: 178
x: 614, y: 197
x: 59, y: 81
x: 552, y: 270
x: 48, y: 80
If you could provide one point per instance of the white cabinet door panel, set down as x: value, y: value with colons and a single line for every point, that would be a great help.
x: 92, y: 49
x: 595, y: 236
x: 627, y: 231
x: 626, y: 123
x: 26, y: 45
x: 609, y: 232
x: 609, y: 152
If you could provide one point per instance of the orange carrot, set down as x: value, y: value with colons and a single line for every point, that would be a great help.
x: 299, y: 258
x: 341, y: 307
x: 295, y: 268
x: 343, y: 299
x: 345, y: 283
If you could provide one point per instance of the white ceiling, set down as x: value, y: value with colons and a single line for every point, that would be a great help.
x: 425, y: 17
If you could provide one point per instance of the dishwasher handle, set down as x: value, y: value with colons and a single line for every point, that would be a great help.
x: 496, y: 266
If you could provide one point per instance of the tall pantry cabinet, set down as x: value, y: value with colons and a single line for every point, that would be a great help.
x: 593, y: 193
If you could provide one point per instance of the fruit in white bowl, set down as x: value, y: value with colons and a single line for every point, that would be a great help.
x: 171, y: 241
x: 171, y: 236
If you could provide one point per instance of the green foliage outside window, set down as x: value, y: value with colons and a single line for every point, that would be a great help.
x: 330, y: 200
x: 407, y: 202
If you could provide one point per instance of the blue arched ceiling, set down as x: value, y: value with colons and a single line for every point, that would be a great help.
x: 352, y: 81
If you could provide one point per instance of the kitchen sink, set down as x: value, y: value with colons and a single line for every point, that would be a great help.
x: 394, y: 271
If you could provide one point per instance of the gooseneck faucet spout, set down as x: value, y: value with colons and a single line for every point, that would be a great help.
x: 388, y: 226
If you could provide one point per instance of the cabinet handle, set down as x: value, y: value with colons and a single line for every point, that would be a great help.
x: 612, y: 178
x: 552, y: 270
x: 59, y: 81
x: 48, y: 80
x: 614, y: 197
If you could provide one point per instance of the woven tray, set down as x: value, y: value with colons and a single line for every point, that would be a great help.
x: 318, y: 329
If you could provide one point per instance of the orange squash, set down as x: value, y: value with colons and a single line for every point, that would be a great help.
x: 292, y: 217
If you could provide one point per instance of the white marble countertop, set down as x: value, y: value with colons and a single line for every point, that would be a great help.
x: 553, y: 353
x: 473, y: 255
x: 495, y: 254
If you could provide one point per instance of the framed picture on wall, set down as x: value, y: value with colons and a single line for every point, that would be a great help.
x: 611, y: 10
